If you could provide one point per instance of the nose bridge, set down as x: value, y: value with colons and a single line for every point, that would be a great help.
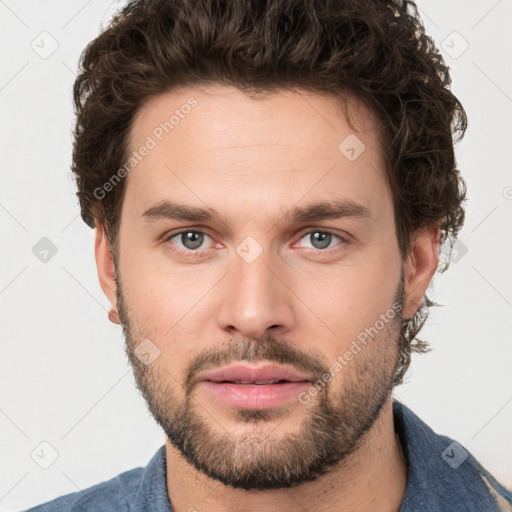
x: 254, y: 298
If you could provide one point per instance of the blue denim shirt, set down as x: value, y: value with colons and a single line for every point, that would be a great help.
x: 441, y: 476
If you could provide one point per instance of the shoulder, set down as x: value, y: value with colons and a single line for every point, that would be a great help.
x: 113, y: 494
x: 139, y: 489
x: 442, y: 473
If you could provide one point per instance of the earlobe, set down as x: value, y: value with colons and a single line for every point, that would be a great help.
x: 420, y: 267
x: 113, y: 316
x: 106, y: 270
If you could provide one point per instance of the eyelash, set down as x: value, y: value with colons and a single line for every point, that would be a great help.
x: 198, y: 252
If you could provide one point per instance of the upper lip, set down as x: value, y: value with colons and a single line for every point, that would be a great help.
x: 246, y: 373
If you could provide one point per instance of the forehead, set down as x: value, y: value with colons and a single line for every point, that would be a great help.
x: 219, y: 145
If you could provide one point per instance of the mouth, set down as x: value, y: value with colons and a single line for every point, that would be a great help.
x: 256, y: 396
x: 266, y: 374
x: 248, y: 387
x: 254, y: 383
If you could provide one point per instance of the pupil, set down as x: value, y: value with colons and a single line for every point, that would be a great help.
x: 325, y: 239
x: 191, y: 239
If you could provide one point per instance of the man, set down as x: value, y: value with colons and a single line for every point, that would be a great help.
x: 307, y: 148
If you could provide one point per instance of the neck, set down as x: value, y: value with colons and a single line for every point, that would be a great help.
x: 373, y: 478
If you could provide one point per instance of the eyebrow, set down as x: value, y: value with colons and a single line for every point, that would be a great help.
x: 336, y: 209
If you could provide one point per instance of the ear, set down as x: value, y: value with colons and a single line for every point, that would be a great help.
x: 105, y: 266
x: 420, y: 267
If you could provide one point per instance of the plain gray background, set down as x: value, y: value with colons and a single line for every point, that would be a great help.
x: 64, y: 378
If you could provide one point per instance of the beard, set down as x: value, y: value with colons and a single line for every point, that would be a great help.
x: 334, y: 424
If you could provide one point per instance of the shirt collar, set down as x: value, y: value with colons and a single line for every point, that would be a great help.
x: 432, y: 483
x: 152, y: 493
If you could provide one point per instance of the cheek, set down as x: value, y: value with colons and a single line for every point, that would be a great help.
x: 167, y: 305
x: 160, y: 302
x: 157, y: 292
x: 340, y: 303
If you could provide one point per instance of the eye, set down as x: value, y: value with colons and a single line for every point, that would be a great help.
x: 322, y: 239
x: 190, y: 240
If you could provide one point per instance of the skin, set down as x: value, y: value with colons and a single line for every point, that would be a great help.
x: 251, y: 160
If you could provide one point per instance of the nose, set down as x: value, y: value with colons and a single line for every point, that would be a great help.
x: 255, y: 299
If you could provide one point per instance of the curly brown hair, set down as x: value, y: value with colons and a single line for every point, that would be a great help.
x: 375, y: 50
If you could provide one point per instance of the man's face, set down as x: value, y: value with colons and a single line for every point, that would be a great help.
x: 255, y: 285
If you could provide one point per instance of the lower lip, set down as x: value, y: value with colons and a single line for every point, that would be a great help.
x: 256, y: 396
